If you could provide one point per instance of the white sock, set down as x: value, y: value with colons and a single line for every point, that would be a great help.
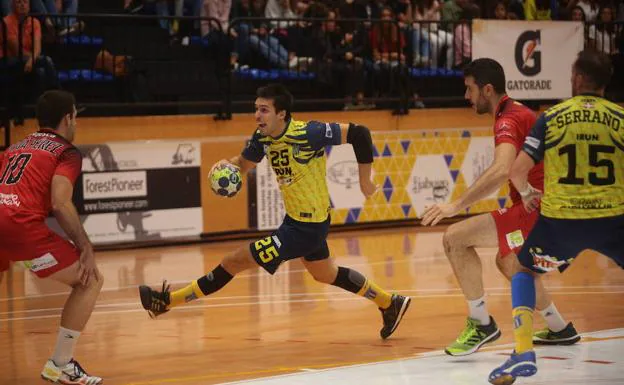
x: 553, y: 319
x: 478, y: 311
x: 64, y: 349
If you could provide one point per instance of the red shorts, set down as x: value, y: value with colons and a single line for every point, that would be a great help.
x: 40, y: 249
x: 513, y: 226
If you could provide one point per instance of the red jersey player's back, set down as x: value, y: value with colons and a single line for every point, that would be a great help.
x: 27, y: 170
x: 37, y: 175
x: 513, y: 123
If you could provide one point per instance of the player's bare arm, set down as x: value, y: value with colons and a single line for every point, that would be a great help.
x: 67, y: 216
x: 359, y: 137
x: 519, y: 177
x: 488, y: 182
x: 244, y: 165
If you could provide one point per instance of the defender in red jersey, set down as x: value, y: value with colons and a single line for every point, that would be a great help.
x: 506, y: 228
x: 37, y: 176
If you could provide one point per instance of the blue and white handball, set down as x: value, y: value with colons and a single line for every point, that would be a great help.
x: 226, y: 180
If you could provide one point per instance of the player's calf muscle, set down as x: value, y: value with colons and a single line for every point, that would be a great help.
x: 507, y: 265
x: 239, y: 261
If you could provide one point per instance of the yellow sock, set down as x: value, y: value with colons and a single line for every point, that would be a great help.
x: 523, y: 328
x: 186, y: 294
x: 376, y: 294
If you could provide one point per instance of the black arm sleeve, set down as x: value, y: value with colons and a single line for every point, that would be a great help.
x: 360, y: 138
x: 534, y: 143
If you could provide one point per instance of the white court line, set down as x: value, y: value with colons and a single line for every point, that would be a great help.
x: 215, y: 298
x: 340, y: 292
x: 260, y: 272
x: 243, y: 275
x: 283, y: 272
x: 618, y: 331
x: 350, y: 298
x: 337, y: 291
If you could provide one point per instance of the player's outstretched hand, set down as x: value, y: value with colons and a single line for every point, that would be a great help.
x: 88, y: 269
x: 532, y: 203
x: 219, y: 163
x: 368, y: 187
x: 436, y: 213
x: 531, y: 198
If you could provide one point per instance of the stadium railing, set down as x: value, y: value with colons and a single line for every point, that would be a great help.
x: 129, y: 64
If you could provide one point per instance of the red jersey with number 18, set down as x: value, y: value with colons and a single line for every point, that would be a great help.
x: 26, y: 175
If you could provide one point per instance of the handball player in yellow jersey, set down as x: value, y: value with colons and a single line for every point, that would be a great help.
x: 296, y: 151
x: 581, y: 142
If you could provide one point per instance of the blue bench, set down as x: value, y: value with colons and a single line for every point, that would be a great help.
x: 84, y: 75
x: 435, y: 72
x: 83, y: 40
x: 273, y: 74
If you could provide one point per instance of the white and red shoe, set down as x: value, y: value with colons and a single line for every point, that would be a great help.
x: 70, y: 374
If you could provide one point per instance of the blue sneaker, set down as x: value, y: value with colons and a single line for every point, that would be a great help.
x: 518, y: 365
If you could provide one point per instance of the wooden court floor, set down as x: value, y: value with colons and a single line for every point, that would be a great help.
x: 261, y: 326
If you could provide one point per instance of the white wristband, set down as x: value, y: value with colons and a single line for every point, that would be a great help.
x: 526, y: 192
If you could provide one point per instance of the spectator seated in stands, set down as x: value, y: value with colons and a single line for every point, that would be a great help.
x: 577, y: 14
x: 463, y: 36
x: 29, y: 60
x: 604, y: 36
x: 163, y: 8
x: 256, y: 36
x: 590, y: 8
x: 307, y: 42
x: 541, y: 9
x: 344, y: 58
x: 279, y: 9
x: 500, y: 10
x: 351, y: 9
x: 387, y: 42
x: 193, y: 8
x: 440, y: 40
x: 58, y: 25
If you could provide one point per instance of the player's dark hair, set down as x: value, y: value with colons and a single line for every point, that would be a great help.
x: 281, y: 97
x: 595, y: 67
x: 487, y: 71
x: 53, y: 106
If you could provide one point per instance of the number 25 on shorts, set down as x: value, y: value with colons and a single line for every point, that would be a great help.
x: 266, y: 254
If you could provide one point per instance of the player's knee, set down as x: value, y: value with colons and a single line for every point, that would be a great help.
x: 237, y: 262
x: 500, y: 264
x: 100, y: 282
x: 452, y: 240
x: 96, y: 285
x: 504, y: 265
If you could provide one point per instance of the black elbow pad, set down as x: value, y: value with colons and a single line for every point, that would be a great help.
x: 360, y: 138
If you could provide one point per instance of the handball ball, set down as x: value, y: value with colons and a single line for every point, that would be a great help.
x: 226, y: 180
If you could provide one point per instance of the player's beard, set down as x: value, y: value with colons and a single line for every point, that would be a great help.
x: 482, y: 106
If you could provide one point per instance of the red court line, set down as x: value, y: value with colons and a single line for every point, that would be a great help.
x: 599, y: 362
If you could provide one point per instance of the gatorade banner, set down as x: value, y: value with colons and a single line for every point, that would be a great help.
x: 537, y: 56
